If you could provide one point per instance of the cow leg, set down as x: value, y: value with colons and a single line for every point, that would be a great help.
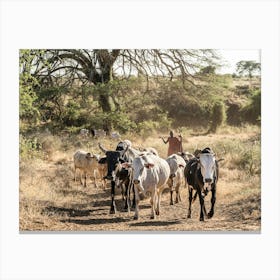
x: 127, y: 197
x: 190, y: 202
x: 213, y: 200
x: 123, y: 191
x: 75, y: 173
x: 202, y: 206
x: 137, y: 199
x: 85, y: 178
x: 113, y: 204
x: 94, y: 178
x: 178, y: 196
x: 153, y: 202
x: 81, y: 177
x: 133, y: 200
x: 103, y: 181
x: 171, y: 196
x: 158, y: 201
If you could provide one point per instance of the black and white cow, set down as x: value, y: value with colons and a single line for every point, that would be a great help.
x: 118, y: 175
x: 202, y: 173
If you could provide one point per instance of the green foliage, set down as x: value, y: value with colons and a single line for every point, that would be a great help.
x: 208, y: 70
x: 248, y: 67
x: 251, y: 112
x: 120, y: 121
x: 163, y: 123
x: 233, y: 113
x: 29, y: 148
x: 218, y: 116
x: 72, y: 115
x: 27, y: 82
x: 163, y: 105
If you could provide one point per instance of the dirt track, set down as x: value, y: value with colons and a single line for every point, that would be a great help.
x: 93, y: 213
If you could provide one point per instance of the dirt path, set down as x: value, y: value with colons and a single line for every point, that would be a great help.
x: 90, y: 212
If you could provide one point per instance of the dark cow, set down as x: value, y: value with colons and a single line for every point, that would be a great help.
x: 202, y: 173
x: 117, y: 174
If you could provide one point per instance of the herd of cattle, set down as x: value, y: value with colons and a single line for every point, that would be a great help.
x: 144, y: 173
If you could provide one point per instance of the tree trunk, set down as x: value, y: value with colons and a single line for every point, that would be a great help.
x: 105, y: 99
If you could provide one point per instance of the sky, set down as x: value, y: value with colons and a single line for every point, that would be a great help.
x: 231, y: 57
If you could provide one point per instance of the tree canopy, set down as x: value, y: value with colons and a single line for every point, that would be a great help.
x: 99, y: 68
x: 248, y: 67
x: 124, y: 89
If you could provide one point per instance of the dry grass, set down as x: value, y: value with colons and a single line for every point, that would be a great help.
x: 51, y: 200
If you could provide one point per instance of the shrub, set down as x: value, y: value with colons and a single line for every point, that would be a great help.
x: 233, y: 113
x: 252, y: 111
x: 145, y: 128
x: 29, y: 148
x: 218, y: 116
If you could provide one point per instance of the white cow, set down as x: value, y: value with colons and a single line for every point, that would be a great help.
x: 177, y: 165
x: 87, y: 163
x: 151, y: 150
x: 150, y: 174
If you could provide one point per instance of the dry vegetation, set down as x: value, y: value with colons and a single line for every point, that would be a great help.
x: 51, y: 201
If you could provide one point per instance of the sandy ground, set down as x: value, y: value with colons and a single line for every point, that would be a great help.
x: 88, y: 210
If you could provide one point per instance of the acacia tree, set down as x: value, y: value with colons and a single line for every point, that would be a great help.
x: 248, y: 67
x: 100, y: 67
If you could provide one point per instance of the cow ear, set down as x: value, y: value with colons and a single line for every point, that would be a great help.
x: 103, y: 160
x: 181, y: 165
x: 197, y: 153
x: 149, y: 165
x: 126, y: 165
x: 88, y: 155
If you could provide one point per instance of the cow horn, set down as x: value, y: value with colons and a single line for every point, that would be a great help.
x: 197, y: 153
x: 102, y: 149
x: 125, y: 150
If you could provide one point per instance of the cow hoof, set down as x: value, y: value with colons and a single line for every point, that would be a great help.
x: 171, y: 203
x: 210, y: 215
x: 112, y: 211
x: 152, y: 217
x: 201, y: 219
x: 189, y: 216
x: 157, y: 212
x: 135, y: 218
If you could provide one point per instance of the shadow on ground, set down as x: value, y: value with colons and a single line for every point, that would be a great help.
x: 70, y: 212
x: 155, y: 223
x: 97, y: 221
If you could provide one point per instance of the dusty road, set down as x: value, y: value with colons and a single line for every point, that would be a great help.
x: 76, y: 208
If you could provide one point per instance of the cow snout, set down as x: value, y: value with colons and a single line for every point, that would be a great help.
x: 208, y: 180
x: 136, y: 181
